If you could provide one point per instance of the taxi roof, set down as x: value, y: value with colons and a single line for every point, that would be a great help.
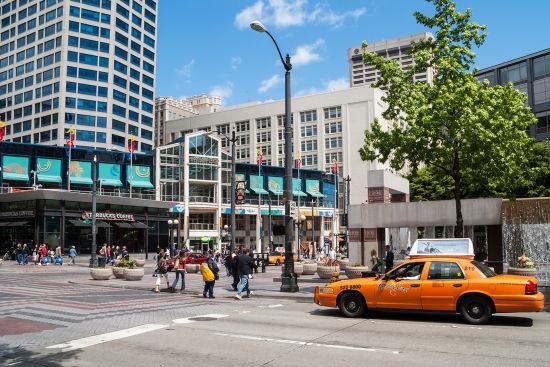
x: 442, y: 247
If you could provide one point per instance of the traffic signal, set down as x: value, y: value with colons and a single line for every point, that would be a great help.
x: 239, y: 193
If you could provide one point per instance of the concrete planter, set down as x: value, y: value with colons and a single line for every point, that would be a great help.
x: 309, y: 268
x: 192, y: 268
x: 298, y: 268
x: 325, y: 272
x: 101, y: 273
x: 353, y: 272
x: 526, y: 272
x: 118, y: 272
x: 140, y: 263
x: 133, y: 274
x: 344, y: 263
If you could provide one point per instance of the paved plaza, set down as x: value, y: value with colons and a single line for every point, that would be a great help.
x: 57, y: 316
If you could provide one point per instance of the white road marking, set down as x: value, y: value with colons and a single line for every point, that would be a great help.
x: 186, y: 320
x: 275, y: 306
x: 104, y: 338
x: 308, y: 344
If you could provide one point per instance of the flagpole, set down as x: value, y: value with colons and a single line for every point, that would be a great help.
x: 259, y: 160
x: 131, y: 172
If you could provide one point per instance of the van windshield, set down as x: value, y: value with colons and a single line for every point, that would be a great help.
x: 487, y: 271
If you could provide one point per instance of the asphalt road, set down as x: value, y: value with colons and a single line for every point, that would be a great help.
x: 57, y: 324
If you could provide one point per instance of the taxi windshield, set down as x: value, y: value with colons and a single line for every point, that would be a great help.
x: 487, y: 271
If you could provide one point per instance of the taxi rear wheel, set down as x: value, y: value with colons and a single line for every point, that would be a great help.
x: 278, y: 262
x: 351, y: 304
x: 476, y: 310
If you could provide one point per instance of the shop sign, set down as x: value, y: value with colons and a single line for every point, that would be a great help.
x: 17, y: 213
x: 123, y: 217
x: 178, y: 208
x: 203, y: 160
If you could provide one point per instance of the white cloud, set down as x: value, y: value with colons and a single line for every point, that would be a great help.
x: 306, y: 54
x: 328, y: 86
x: 267, y: 84
x: 222, y: 91
x: 287, y: 13
x: 186, y: 70
x: 236, y: 61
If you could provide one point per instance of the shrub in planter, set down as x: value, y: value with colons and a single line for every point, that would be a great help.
x: 101, y: 273
x: 133, y: 273
x: 344, y: 263
x: 118, y: 272
x: 354, y: 271
x: 140, y: 263
x: 192, y: 268
x: 325, y: 271
x: 524, y: 267
x: 309, y: 268
x: 298, y: 268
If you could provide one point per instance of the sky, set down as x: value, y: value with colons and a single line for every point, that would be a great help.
x: 207, y: 46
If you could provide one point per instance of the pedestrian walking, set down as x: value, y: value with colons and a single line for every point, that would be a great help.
x: 161, y: 271
x: 389, y: 258
x: 25, y: 254
x: 179, y: 267
x: 107, y: 254
x: 19, y: 254
x: 245, y: 266
x: 72, y: 255
x: 209, y: 271
x: 235, y: 271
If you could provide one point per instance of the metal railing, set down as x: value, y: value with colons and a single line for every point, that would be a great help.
x: 202, y: 199
x: 201, y: 226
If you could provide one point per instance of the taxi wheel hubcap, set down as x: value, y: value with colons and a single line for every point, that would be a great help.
x: 352, y: 305
x: 475, y: 310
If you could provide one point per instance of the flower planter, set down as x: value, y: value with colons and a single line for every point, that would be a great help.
x: 133, y: 274
x: 298, y: 268
x: 325, y: 272
x: 118, y: 272
x: 192, y: 268
x: 527, y: 272
x: 309, y: 268
x: 101, y: 273
x: 140, y: 263
x: 344, y: 263
x: 353, y: 272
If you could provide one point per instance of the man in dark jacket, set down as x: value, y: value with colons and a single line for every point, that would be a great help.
x: 245, y: 266
x: 389, y: 258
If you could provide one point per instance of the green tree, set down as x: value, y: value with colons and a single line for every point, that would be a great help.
x: 467, y: 130
x: 427, y: 184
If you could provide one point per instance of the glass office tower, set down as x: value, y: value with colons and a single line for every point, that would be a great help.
x: 82, y: 64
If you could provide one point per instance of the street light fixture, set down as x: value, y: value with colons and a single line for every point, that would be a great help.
x: 93, y: 262
x: 233, y: 140
x: 289, y: 280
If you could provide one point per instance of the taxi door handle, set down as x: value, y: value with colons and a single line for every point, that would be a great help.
x: 415, y: 285
x: 457, y: 285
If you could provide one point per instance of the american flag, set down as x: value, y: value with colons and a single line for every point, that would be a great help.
x: 260, y: 157
x: 334, y: 166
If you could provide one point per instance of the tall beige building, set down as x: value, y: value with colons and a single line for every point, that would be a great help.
x: 168, y: 108
x: 395, y: 49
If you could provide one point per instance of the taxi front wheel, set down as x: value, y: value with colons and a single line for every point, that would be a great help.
x: 475, y: 310
x: 352, y: 305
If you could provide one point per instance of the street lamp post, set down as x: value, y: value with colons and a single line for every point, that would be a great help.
x: 171, y: 228
x: 177, y: 242
x: 289, y: 280
x: 93, y: 262
x: 233, y: 141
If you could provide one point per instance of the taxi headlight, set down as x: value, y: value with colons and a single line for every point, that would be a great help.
x: 327, y: 290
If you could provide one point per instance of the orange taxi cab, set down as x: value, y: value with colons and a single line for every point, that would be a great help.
x: 440, y: 275
x: 277, y: 258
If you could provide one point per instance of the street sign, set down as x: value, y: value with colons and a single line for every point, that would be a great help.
x: 178, y: 208
x: 293, y: 209
x: 240, y: 192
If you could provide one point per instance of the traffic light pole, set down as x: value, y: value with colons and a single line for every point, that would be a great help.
x: 233, y: 140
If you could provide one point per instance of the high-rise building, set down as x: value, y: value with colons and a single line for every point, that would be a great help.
x: 529, y: 74
x: 395, y: 49
x: 327, y: 127
x: 168, y: 108
x: 82, y: 64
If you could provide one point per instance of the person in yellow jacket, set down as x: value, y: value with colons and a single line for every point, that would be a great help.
x: 209, y: 271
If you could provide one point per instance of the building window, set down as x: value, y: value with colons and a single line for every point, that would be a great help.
x: 307, y: 131
x: 514, y: 73
x: 118, y: 140
x: 263, y: 137
x: 333, y: 143
x: 263, y: 123
x: 241, y: 126
x: 309, y: 160
x: 308, y: 116
x: 333, y: 127
x: 308, y: 145
x: 333, y: 112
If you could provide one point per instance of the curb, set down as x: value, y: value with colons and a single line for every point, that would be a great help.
x: 300, y: 299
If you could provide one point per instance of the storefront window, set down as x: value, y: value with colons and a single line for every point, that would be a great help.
x: 52, y: 236
x: 53, y: 204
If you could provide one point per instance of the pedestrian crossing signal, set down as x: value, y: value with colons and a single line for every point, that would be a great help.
x: 240, y: 193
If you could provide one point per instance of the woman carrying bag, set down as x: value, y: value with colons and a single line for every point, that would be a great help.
x: 162, y: 271
x: 179, y: 267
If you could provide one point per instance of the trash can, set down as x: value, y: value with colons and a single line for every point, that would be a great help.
x: 100, y: 262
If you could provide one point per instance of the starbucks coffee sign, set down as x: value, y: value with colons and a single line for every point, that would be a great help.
x: 122, y: 217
